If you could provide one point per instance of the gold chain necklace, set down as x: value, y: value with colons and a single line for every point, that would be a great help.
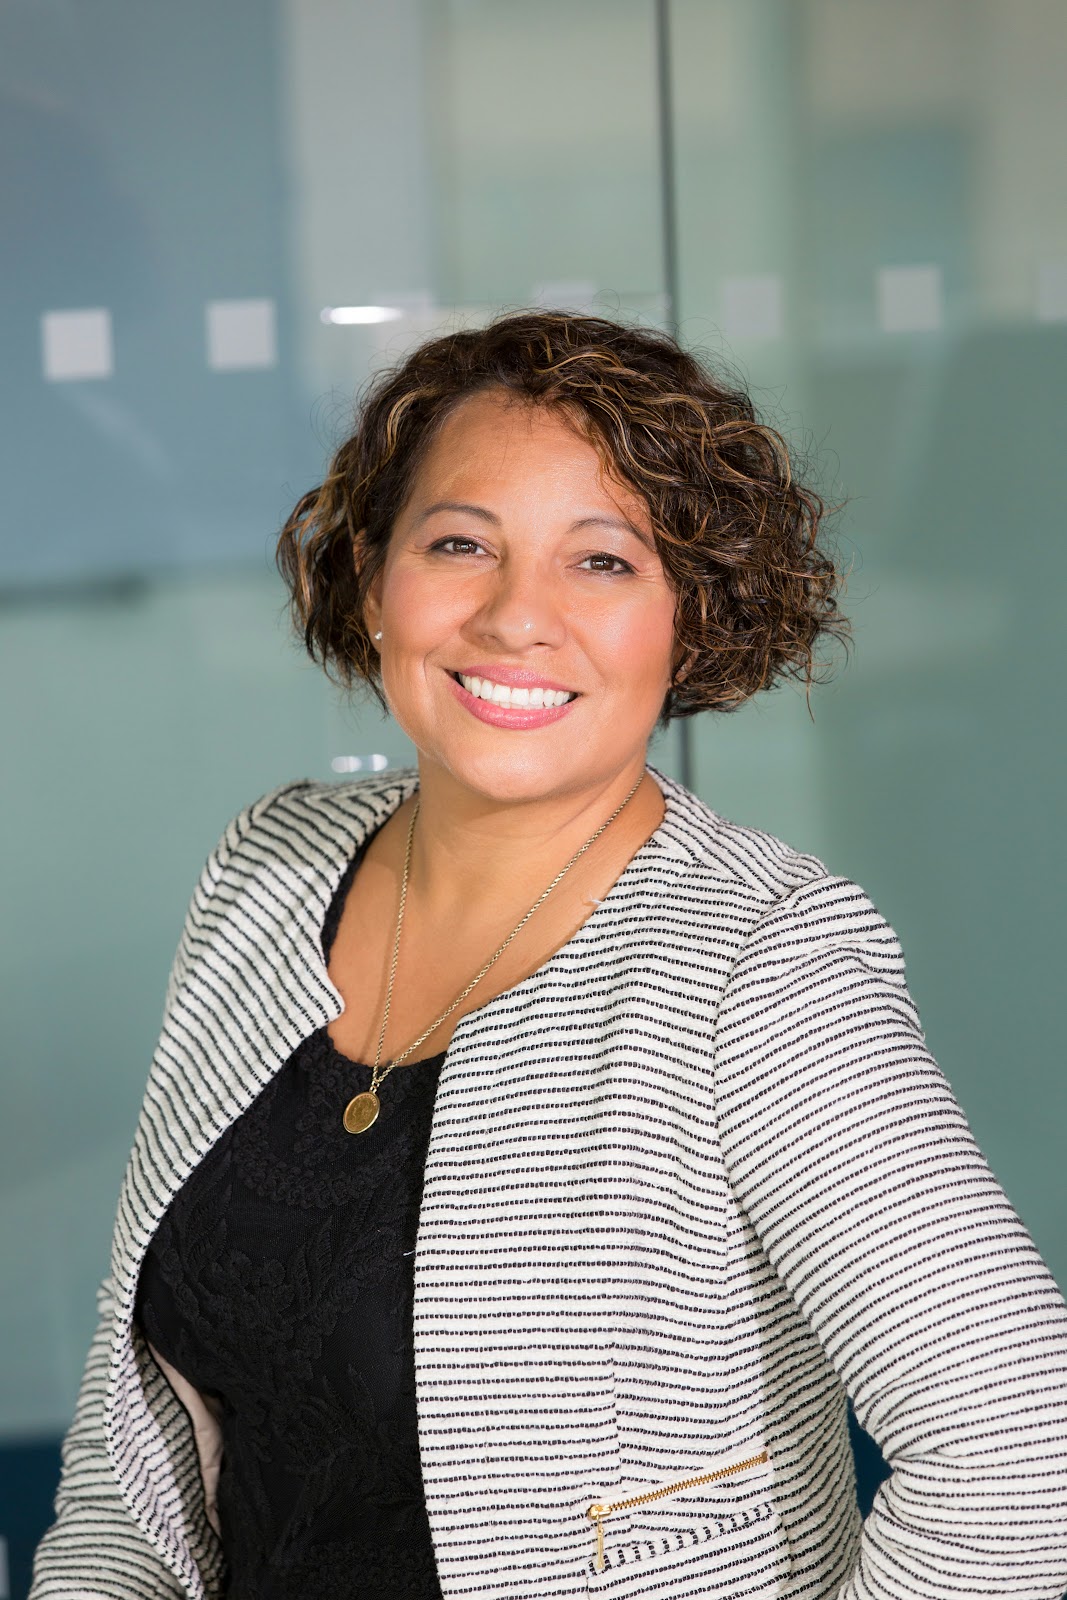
x: 362, y: 1110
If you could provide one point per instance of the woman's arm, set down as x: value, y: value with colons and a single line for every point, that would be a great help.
x: 94, y: 1549
x: 875, y: 1206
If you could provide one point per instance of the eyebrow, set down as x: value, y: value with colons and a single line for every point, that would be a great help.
x: 461, y: 506
x: 616, y: 522
x: 597, y: 521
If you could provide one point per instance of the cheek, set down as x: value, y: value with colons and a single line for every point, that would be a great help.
x: 635, y: 641
x: 418, y: 611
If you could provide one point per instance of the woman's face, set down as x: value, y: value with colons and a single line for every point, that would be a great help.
x: 516, y: 572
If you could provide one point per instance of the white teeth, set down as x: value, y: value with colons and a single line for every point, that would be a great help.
x: 502, y: 694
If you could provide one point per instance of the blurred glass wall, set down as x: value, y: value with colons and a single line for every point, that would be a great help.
x: 200, y: 204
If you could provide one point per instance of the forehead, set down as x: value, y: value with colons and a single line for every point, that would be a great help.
x: 494, y: 442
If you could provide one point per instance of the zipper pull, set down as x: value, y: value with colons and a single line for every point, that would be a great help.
x: 597, y: 1514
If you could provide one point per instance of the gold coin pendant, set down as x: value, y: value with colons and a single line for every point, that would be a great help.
x: 361, y: 1112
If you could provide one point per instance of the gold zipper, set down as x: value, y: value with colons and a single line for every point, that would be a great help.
x: 598, y: 1513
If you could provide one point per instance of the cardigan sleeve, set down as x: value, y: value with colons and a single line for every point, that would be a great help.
x: 875, y: 1206
x: 94, y: 1550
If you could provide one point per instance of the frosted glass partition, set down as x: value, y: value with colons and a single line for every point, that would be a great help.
x: 873, y: 225
x: 186, y: 192
x: 546, y: 160
x: 143, y: 183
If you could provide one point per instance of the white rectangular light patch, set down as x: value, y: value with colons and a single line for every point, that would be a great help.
x: 241, y: 335
x: 910, y: 299
x: 76, y: 344
x: 1052, y: 291
x: 752, y: 306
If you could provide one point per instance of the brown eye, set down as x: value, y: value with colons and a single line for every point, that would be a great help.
x: 468, y: 544
x: 604, y: 561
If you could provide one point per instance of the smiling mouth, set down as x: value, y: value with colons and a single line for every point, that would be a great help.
x: 503, y: 694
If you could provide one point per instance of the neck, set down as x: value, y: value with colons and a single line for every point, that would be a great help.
x: 470, y: 848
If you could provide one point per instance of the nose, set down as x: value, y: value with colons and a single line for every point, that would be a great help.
x: 520, y: 610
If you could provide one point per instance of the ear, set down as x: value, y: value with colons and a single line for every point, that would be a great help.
x: 683, y: 664
x: 372, y: 600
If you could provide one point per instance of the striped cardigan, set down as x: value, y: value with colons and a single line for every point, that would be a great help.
x: 689, y: 1183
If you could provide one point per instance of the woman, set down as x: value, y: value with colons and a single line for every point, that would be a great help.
x: 533, y: 1160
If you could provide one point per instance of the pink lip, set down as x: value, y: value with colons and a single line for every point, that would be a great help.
x: 515, y: 678
x: 518, y: 718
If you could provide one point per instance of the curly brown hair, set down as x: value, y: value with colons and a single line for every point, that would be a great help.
x: 735, y: 531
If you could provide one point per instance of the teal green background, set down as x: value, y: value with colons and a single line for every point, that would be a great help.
x: 455, y: 157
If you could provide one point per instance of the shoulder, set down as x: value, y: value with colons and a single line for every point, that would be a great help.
x: 308, y: 819
x: 776, y: 896
x: 704, y: 847
x: 277, y: 862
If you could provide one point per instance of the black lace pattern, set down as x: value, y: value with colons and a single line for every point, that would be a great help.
x: 280, y: 1283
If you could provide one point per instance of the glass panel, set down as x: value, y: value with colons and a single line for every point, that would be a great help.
x: 185, y: 193
x: 143, y: 182
x: 873, y: 227
x: 546, y: 156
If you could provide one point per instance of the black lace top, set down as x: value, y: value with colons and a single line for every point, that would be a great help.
x: 280, y: 1283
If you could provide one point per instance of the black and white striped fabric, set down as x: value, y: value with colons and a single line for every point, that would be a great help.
x: 689, y: 1183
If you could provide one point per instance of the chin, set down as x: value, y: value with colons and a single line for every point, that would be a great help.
x: 522, y: 775
x: 525, y: 773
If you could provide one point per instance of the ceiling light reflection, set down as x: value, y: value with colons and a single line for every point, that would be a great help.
x: 375, y: 763
x: 342, y: 315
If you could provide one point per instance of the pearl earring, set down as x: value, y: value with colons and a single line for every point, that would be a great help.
x: 378, y: 635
